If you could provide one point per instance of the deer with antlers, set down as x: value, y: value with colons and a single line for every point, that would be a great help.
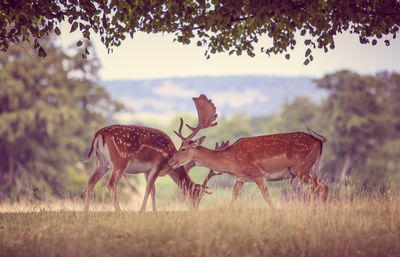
x: 253, y: 159
x: 136, y: 149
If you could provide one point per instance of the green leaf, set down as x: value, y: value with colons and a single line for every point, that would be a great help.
x: 57, y: 31
x: 306, y: 62
x: 41, y: 52
x: 308, y: 52
x: 86, y: 34
x: 36, y: 44
x: 79, y: 43
x: 74, y: 27
x: 287, y: 56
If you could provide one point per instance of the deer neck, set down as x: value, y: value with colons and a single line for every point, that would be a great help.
x: 181, y: 178
x: 214, y: 160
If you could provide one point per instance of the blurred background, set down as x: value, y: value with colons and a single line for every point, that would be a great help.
x: 51, y: 107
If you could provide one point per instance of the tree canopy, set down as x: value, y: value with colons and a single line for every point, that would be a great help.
x: 361, y: 111
x: 223, y: 26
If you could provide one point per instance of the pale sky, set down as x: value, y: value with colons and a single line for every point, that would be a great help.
x: 149, y: 56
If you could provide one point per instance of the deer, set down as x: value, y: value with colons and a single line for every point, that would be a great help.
x: 131, y: 149
x: 210, y: 174
x: 254, y: 159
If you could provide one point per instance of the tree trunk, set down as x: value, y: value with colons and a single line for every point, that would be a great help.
x: 345, y: 168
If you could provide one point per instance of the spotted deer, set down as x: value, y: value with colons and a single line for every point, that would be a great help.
x: 211, y: 173
x: 253, y: 159
x: 133, y: 150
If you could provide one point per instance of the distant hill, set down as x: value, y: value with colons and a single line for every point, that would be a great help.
x: 252, y: 95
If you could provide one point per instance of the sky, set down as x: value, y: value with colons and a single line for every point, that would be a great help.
x: 149, y: 56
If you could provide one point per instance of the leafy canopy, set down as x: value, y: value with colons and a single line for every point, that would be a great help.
x: 222, y: 26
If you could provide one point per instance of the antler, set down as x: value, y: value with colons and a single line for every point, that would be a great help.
x: 211, y: 173
x: 206, y: 113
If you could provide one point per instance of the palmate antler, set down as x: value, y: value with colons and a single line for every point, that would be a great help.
x: 211, y: 173
x: 206, y: 113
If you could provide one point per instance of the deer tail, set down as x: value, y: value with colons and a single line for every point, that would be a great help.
x: 92, y: 147
x: 316, y: 135
x: 321, y: 139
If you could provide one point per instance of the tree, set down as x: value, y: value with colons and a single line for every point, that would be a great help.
x: 231, y: 26
x: 360, y: 112
x: 294, y: 116
x: 49, y: 110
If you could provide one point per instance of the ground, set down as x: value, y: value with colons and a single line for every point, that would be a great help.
x: 357, y: 226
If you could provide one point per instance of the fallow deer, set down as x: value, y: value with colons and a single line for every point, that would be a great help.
x: 211, y: 173
x: 136, y: 149
x: 258, y: 159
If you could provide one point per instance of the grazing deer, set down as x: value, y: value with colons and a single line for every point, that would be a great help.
x: 134, y: 150
x: 258, y: 159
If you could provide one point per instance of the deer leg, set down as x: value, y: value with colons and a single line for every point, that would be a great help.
x: 236, y: 188
x: 112, y: 186
x: 323, y: 189
x: 98, y: 173
x: 263, y: 186
x: 150, y: 186
x: 153, y: 197
x: 152, y: 193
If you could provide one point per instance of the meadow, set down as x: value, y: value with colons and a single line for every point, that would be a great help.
x: 346, y: 225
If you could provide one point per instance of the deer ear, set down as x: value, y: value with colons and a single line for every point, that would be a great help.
x: 199, y: 141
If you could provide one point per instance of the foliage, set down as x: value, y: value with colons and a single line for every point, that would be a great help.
x: 49, y: 109
x: 360, y: 112
x: 230, y: 128
x: 294, y: 116
x: 223, y: 26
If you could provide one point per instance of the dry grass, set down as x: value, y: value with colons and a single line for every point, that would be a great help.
x: 365, y: 226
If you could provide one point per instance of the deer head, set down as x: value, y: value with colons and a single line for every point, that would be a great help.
x: 206, y: 113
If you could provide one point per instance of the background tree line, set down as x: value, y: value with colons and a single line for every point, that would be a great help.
x: 50, y: 108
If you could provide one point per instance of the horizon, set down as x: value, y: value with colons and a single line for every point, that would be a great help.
x: 159, y: 100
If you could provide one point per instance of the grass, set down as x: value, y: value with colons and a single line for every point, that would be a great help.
x: 362, y: 226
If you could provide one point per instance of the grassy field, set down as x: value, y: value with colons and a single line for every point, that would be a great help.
x: 362, y: 226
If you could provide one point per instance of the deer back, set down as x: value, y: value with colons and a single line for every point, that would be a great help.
x: 294, y: 145
x: 128, y: 141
